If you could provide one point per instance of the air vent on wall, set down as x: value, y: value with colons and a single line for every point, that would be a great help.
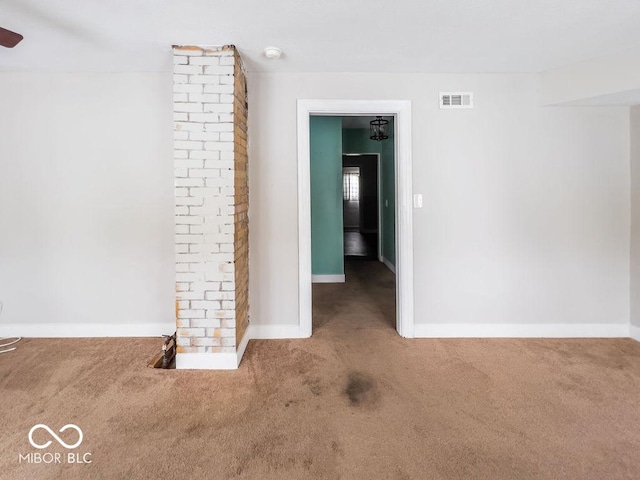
x: 456, y: 100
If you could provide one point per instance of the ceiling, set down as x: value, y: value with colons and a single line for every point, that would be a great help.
x: 445, y: 36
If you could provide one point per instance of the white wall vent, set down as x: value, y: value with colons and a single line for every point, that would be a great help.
x: 456, y: 99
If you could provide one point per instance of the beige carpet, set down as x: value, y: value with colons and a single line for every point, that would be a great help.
x: 353, y: 402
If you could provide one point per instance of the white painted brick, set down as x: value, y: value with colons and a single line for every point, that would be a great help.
x: 206, y: 323
x: 206, y: 228
x: 190, y: 127
x: 217, y: 107
x: 188, y: 257
x: 190, y: 277
x: 181, y: 192
x: 204, y: 248
x: 204, y: 117
x: 189, y: 201
x: 225, y: 117
x: 204, y: 172
x: 181, y: 287
x: 204, y: 79
x: 189, y: 239
x: 182, y: 267
x: 180, y: 135
x: 204, y: 192
x: 220, y: 146
x: 187, y: 88
x: 190, y: 332
x: 180, y: 97
x: 181, y: 249
x: 227, y: 323
x: 183, y: 341
x: 206, y: 341
x: 228, y: 155
x: 227, y: 248
x: 178, y: 78
x: 226, y: 137
x: 204, y: 154
x: 191, y: 314
x: 218, y: 88
x: 204, y: 97
x: 218, y: 70
x: 226, y: 98
x: 216, y: 182
x: 181, y: 172
x: 187, y: 145
x: 180, y: 59
x: 226, y: 228
x: 178, y: 154
x: 228, y: 305
x: 190, y: 295
x: 205, y: 304
x: 228, y: 268
x: 182, y: 117
x: 188, y: 69
x: 228, y: 341
x: 228, y: 332
x: 190, y: 52
x: 210, y: 295
x: 227, y: 60
x: 208, y: 136
x: 219, y: 127
x: 189, y: 220
x: 182, y: 229
x: 189, y: 163
x: 208, y: 60
x: 188, y: 107
x: 226, y: 80
x: 189, y: 182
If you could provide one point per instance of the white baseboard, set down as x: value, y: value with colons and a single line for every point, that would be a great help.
x: 327, y: 278
x: 268, y: 332
x: 206, y: 361
x: 389, y: 265
x: 635, y: 333
x: 86, y: 330
x: 513, y: 330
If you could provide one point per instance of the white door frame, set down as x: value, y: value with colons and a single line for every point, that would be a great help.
x: 401, y: 110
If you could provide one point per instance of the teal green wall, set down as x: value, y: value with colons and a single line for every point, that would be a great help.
x: 327, y: 249
x: 356, y: 140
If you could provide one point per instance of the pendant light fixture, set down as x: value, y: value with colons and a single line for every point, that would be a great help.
x: 379, y: 129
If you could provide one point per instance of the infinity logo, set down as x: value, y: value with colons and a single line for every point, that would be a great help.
x: 52, y: 433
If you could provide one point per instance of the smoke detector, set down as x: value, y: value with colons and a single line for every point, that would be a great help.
x: 273, y: 53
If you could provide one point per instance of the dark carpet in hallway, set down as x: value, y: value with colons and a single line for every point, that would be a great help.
x: 355, y: 401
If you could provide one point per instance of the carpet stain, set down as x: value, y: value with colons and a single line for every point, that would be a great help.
x: 361, y: 390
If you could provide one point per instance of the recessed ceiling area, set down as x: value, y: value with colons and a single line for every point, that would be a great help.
x: 431, y: 36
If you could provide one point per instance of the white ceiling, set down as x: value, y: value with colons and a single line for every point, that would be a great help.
x: 444, y: 36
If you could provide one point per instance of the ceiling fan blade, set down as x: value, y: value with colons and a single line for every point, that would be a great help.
x: 9, y: 39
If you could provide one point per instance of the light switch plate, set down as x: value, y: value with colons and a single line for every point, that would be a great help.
x: 417, y: 200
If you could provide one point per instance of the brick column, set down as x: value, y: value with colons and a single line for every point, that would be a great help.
x: 210, y: 138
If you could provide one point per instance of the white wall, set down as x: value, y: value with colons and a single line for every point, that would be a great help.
x: 86, y: 204
x: 611, y: 80
x: 635, y: 221
x: 526, y: 217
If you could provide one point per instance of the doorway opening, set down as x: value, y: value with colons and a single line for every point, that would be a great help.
x: 402, y: 245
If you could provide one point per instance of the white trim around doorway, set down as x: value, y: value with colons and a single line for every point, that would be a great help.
x: 401, y: 110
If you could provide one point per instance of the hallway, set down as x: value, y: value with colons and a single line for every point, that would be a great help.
x: 365, y: 300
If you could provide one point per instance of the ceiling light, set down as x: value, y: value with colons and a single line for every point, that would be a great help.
x: 272, y: 53
x: 379, y: 129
